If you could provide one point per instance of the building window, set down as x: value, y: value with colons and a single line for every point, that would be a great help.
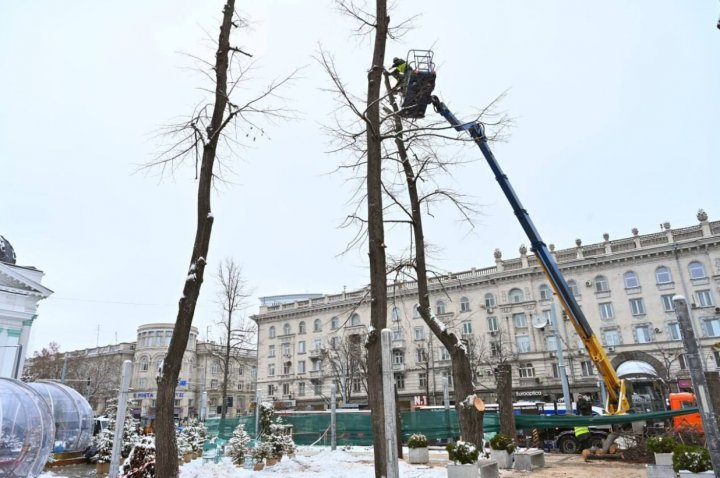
x: 416, y: 311
x: 489, y: 301
x: 421, y: 356
x: 464, y: 304
x: 317, y: 389
x: 495, y: 348
x: 301, y: 328
x: 611, y: 337
x: 356, y: 385
x: 551, y: 342
x: 545, y: 292
x: 712, y: 327
x: 144, y: 364
x: 286, y: 368
x: 419, y: 333
x: 286, y: 329
x: 301, y: 366
x: 555, y: 370
x: 515, y: 296
x: 697, y: 270
x: 271, y: 390
x: 526, y: 370
x: 440, y: 307
x: 663, y: 275
x: 601, y: 284
x: 271, y: 350
x: 317, y: 325
x: 422, y: 379
x: 240, y: 386
x: 642, y: 334
x: 301, y: 389
x: 637, y: 306
x: 704, y: 298
x: 271, y: 370
x: 354, y: 320
x: 215, y: 369
x: 444, y: 354
x: 214, y: 383
x: 447, y: 377
x: 574, y: 288
x: 318, y: 344
x: 492, y: 324
x: 334, y: 341
x: 523, y: 343
x: 606, y: 310
x: 520, y: 320
x: 667, y: 302
x: 716, y: 355
x: 241, y: 370
x: 674, y: 329
x: 586, y: 368
x: 286, y: 389
x: 334, y: 323
x: 682, y: 362
x: 317, y: 366
x: 400, y: 381
x: 467, y: 327
x: 398, y: 357
x: 631, y: 280
x: 395, y: 314
x: 301, y: 347
x: 141, y: 383
x: 271, y: 332
x: 286, y: 349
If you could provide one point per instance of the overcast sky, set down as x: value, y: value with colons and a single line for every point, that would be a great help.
x: 616, y: 107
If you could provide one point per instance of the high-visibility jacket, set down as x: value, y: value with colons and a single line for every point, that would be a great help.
x: 402, y: 67
x: 581, y: 431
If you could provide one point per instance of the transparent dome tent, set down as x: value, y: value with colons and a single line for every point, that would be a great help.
x: 26, y: 430
x: 72, y: 415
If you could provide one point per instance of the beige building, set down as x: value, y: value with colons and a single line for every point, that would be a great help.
x: 624, y: 287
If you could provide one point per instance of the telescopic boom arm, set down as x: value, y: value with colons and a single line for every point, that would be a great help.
x: 617, y: 399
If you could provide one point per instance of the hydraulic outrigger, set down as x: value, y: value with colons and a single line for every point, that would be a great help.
x: 420, y: 82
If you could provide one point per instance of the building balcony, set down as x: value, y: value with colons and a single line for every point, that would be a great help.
x: 398, y: 367
x: 315, y: 373
x: 315, y: 354
x: 398, y: 343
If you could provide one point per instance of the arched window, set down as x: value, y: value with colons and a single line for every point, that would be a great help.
x: 416, y: 311
x: 631, y: 280
x: 545, y: 292
x: 663, y: 275
x: 271, y: 332
x: 574, y: 288
x: 317, y: 326
x: 440, y: 307
x: 515, y: 295
x: 144, y: 364
x: 602, y: 284
x: 286, y: 329
x: 215, y: 367
x: 395, y: 314
x: 334, y: 323
x: 159, y: 363
x: 697, y: 270
x: 301, y: 328
x: 464, y: 304
x: 354, y: 320
x: 489, y: 301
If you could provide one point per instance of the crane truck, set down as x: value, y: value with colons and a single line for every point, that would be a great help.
x: 418, y: 87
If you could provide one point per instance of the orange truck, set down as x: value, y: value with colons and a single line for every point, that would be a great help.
x: 679, y: 401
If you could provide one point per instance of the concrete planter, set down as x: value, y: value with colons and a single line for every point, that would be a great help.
x: 690, y: 474
x: 664, y: 459
x: 258, y: 466
x: 418, y: 455
x: 271, y: 461
x: 462, y: 471
x: 659, y: 471
x: 503, y: 458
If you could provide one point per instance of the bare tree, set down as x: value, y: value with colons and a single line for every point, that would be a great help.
x: 212, y: 126
x: 47, y: 364
x: 347, y: 361
x: 237, y: 332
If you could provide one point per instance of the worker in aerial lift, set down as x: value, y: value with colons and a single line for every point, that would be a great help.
x: 399, y: 70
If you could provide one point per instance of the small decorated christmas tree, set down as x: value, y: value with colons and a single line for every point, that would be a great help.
x: 237, y: 447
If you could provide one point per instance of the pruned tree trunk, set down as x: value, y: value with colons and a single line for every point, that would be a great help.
x: 470, y: 419
x: 505, y: 403
x: 376, y: 241
x: 166, y: 444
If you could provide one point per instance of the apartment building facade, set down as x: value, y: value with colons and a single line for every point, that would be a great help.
x: 625, y: 288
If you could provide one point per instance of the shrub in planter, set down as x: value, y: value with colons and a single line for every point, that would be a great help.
x: 417, y: 440
x: 237, y: 447
x: 462, y: 452
x: 418, y: 451
x: 262, y: 451
x: 692, y: 458
x: 662, y: 447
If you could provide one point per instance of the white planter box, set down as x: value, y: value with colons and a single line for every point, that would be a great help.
x: 462, y: 471
x: 503, y: 458
x: 418, y: 455
x: 690, y: 474
x: 664, y: 459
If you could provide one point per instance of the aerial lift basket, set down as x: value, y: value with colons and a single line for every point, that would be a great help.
x: 419, y: 83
